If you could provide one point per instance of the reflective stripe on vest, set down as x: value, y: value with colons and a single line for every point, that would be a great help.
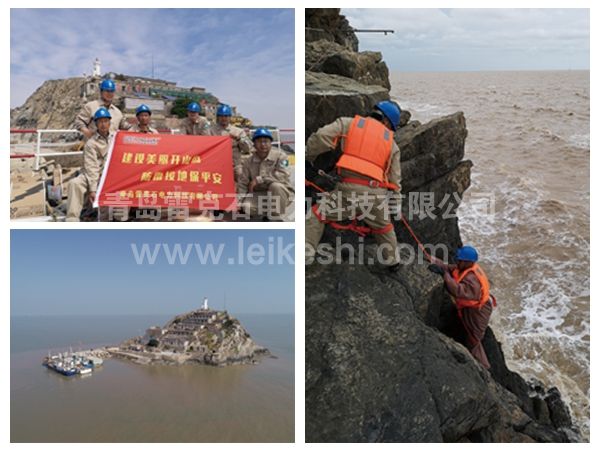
x: 367, y: 148
x: 483, y: 283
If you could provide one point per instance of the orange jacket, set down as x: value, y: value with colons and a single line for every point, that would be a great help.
x: 367, y: 149
x: 484, y: 295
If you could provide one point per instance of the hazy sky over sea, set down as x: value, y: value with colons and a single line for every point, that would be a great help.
x: 57, y: 272
x: 244, y: 57
x: 477, y: 39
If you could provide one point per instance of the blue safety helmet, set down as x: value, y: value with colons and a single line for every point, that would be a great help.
x: 261, y: 132
x: 102, y: 113
x: 224, y: 110
x: 194, y: 107
x: 107, y: 85
x: 142, y: 108
x: 391, y: 111
x: 467, y: 253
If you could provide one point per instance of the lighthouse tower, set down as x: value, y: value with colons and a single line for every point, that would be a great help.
x: 205, y: 304
x: 96, y: 72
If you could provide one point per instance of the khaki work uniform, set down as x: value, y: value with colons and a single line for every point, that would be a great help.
x: 352, y: 199
x: 200, y: 127
x: 94, y: 158
x: 241, y: 144
x: 85, y: 119
x: 273, y: 191
x: 136, y: 129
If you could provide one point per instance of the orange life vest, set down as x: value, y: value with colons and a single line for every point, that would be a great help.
x: 484, y: 291
x: 367, y: 148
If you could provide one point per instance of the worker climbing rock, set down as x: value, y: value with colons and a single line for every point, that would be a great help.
x: 94, y: 157
x: 195, y: 124
x: 143, y: 114
x: 368, y: 168
x: 264, y: 184
x: 470, y: 290
x: 85, y: 121
x: 241, y: 144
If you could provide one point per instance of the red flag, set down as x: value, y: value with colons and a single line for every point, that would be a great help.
x: 161, y: 170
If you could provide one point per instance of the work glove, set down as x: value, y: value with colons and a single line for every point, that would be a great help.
x: 436, y: 269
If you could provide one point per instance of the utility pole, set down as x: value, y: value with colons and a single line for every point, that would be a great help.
x: 152, y: 65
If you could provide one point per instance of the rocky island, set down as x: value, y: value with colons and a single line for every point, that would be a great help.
x: 203, y: 336
x: 384, y: 359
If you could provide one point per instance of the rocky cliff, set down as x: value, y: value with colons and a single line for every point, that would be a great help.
x: 384, y: 354
x: 54, y: 105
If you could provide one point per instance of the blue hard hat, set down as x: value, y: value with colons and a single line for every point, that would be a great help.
x: 107, y: 85
x: 467, y: 253
x: 143, y: 108
x: 194, y: 107
x: 224, y: 110
x: 102, y: 113
x: 261, y: 132
x: 391, y: 111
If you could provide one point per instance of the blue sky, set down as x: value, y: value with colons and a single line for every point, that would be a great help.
x: 477, y: 39
x: 56, y: 272
x: 243, y: 56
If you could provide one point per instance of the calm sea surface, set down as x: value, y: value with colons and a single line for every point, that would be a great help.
x: 124, y: 402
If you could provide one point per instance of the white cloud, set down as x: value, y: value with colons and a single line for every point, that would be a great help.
x: 524, y: 38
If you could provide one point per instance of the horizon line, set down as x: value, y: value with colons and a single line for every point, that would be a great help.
x: 488, y: 70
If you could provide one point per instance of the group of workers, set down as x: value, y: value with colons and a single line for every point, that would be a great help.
x: 367, y: 174
x: 261, y: 171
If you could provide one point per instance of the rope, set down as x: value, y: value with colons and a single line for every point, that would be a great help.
x: 414, y: 236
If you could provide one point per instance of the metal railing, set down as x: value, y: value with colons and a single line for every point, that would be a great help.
x: 40, y: 145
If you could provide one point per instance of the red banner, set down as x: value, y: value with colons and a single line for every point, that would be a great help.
x: 161, y: 170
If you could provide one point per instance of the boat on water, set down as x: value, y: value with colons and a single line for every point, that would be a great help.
x: 69, y: 364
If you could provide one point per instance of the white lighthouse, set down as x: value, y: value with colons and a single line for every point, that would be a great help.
x: 205, y: 304
x: 96, y: 72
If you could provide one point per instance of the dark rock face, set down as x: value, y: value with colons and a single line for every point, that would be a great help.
x: 339, y: 80
x: 377, y: 371
x: 384, y: 354
x: 334, y: 96
x: 329, y: 57
x: 327, y: 23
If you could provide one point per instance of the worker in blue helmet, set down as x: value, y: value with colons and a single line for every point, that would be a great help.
x: 195, y: 123
x: 469, y: 288
x: 143, y: 114
x: 240, y: 143
x: 84, y: 122
x: 264, y: 184
x: 361, y: 157
x: 95, y: 153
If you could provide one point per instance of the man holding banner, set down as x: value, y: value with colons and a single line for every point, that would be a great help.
x: 265, y: 179
x: 94, y: 156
